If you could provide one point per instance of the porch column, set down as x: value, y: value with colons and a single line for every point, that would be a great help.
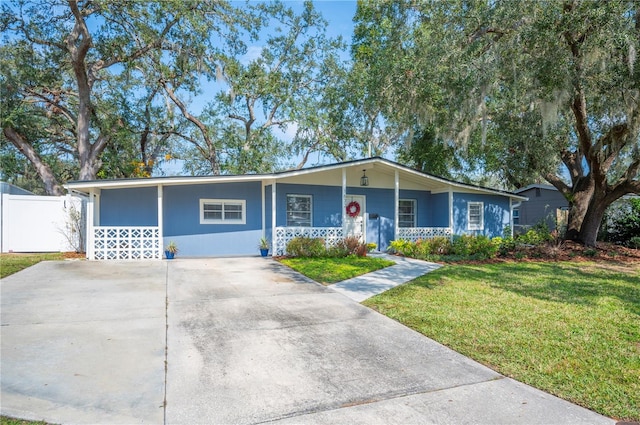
x: 396, y: 199
x: 273, y: 212
x: 451, y: 210
x: 160, y: 220
x: 90, y: 218
x: 96, y: 209
x: 510, y: 217
x: 344, y: 200
x: 263, y: 207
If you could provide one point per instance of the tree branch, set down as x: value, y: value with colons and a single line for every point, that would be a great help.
x: 51, y: 184
x: 212, y: 155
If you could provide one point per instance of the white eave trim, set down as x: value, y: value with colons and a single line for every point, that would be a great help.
x: 86, y: 186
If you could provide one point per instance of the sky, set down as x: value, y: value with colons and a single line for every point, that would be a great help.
x: 339, y: 16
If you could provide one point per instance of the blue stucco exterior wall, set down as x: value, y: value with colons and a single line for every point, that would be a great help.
x: 379, y: 230
x: 129, y: 207
x: 182, y: 219
x: 326, y: 204
x: 439, y: 210
x: 181, y: 213
x: 496, y: 213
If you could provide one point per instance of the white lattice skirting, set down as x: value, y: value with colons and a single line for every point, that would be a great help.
x: 415, y: 233
x: 331, y: 236
x: 126, y: 243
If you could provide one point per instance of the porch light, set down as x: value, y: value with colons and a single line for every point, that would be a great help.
x: 364, y: 180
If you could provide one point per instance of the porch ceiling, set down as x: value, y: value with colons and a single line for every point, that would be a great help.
x: 381, y: 176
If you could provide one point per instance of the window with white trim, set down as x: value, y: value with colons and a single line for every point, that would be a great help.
x: 516, y: 216
x: 475, y: 215
x: 223, y: 211
x: 406, y: 213
x: 299, y: 208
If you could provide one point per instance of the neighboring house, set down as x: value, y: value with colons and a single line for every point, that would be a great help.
x: 10, y: 189
x: 374, y: 199
x: 545, y: 203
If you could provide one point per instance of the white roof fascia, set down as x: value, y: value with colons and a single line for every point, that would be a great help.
x: 78, y: 186
x: 165, y: 181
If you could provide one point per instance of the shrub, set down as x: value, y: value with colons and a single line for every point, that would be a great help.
x: 463, y: 247
x: 422, y: 248
x: 440, y: 245
x: 403, y: 247
x: 535, y: 236
x: 624, y: 227
x: 303, y: 246
x: 350, y: 245
x: 480, y: 246
x: 338, y: 250
x: 507, y: 245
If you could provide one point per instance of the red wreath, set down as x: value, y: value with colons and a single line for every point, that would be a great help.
x: 353, y: 209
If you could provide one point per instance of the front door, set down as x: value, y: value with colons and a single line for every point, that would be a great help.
x: 355, y: 223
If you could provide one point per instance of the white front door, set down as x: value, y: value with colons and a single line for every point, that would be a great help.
x: 355, y: 222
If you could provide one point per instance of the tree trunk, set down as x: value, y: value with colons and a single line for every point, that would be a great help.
x: 578, y: 207
x: 51, y: 184
x: 592, y: 220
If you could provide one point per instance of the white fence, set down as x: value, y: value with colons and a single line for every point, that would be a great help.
x: 41, y: 223
x: 331, y: 235
x: 415, y: 233
x: 125, y: 243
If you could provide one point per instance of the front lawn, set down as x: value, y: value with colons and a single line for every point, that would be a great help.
x: 13, y: 263
x: 571, y: 329
x: 332, y: 270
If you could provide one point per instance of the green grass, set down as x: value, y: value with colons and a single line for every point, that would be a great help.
x: 13, y: 263
x: 570, y: 329
x: 332, y: 270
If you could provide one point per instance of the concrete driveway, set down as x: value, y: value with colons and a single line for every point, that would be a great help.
x: 245, y: 340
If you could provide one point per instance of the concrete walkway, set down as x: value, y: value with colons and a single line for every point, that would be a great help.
x: 366, y: 286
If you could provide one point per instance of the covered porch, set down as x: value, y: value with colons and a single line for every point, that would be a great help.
x: 374, y: 201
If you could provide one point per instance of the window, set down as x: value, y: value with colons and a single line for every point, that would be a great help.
x: 407, y: 213
x: 299, y: 209
x: 475, y: 215
x: 222, y: 211
x: 516, y: 216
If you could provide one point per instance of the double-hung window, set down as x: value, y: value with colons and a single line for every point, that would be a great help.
x: 407, y: 213
x: 475, y: 215
x: 299, y: 209
x: 223, y: 211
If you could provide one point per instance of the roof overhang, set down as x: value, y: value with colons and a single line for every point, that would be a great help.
x: 381, y: 174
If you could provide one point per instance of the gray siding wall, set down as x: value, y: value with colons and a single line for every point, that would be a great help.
x: 541, y: 206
